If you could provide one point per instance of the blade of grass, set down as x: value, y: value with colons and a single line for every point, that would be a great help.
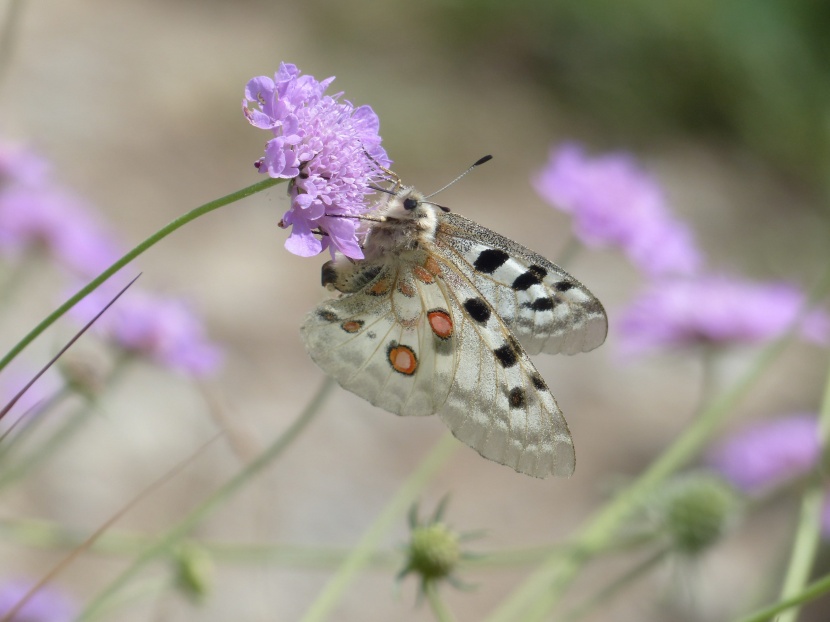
x: 163, y: 544
x: 11, y: 614
x: 60, y: 353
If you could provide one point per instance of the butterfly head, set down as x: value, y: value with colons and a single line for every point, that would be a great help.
x: 405, y: 221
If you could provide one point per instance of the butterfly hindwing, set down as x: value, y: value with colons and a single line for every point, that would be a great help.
x: 390, y: 342
x: 545, y: 307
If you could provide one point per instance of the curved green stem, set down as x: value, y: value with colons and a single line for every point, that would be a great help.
x: 143, y: 246
x: 808, y: 533
x: 437, y: 604
x: 617, y: 585
x: 811, y: 592
x: 162, y: 545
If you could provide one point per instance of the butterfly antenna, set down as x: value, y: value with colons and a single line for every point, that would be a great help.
x: 479, y: 162
x: 391, y: 176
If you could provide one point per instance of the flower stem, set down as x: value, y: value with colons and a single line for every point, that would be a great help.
x: 813, y: 591
x: 163, y: 544
x: 437, y: 604
x: 534, y: 599
x: 138, y: 250
x: 807, y: 535
x: 397, y: 507
x: 70, y: 426
x: 614, y: 588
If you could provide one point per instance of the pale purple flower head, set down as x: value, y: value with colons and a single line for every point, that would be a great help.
x: 46, y: 605
x: 52, y: 220
x: 768, y: 453
x: 716, y: 309
x: 163, y: 330
x: 19, y: 165
x: 328, y: 148
x: 614, y: 203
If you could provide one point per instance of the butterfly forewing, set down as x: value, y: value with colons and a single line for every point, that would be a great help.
x: 498, y: 404
x: 545, y: 307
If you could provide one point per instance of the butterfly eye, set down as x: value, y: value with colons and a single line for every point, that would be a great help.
x: 410, y: 203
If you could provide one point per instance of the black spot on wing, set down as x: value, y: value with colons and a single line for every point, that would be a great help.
x: 540, y: 304
x: 538, y: 271
x: 507, y: 354
x: 563, y: 286
x: 517, y: 398
x: 478, y: 309
x: 490, y: 260
x: 328, y: 315
x: 526, y: 281
x: 538, y: 383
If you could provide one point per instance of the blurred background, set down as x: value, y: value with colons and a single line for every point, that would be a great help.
x: 137, y: 104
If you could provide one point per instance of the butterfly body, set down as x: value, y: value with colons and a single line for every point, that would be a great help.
x: 438, y: 319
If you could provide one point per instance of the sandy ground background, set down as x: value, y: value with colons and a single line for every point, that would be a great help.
x: 137, y: 105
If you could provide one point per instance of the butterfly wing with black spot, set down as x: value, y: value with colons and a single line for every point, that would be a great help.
x: 419, y: 339
x: 545, y: 307
x: 498, y: 404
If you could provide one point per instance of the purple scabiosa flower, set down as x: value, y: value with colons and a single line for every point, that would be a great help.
x: 163, y: 330
x: 53, y: 221
x: 330, y: 151
x: 615, y: 203
x: 768, y: 453
x: 716, y: 309
x: 46, y: 605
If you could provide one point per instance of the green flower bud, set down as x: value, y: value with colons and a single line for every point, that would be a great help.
x: 696, y: 511
x: 434, y: 551
x: 194, y: 570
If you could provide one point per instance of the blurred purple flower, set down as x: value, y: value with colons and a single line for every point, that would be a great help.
x: 716, y: 309
x: 329, y: 149
x: 768, y: 453
x: 613, y: 202
x: 57, y: 223
x: 47, y: 605
x: 19, y: 165
x: 163, y: 330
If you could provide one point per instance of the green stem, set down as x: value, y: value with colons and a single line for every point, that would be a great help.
x: 397, y: 507
x: 28, y: 422
x: 811, y: 592
x: 163, y: 544
x: 613, y: 588
x: 808, y: 532
x: 46, y: 449
x: 44, y: 534
x: 537, y: 595
x: 153, y: 239
x: 437, y: 604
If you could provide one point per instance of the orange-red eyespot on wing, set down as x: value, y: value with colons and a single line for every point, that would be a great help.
x: 406, y: 289
x: 422, y: 274
x: 432, y: 267
x: 352, y: 326
x: 402, y: 359
x: 440, y: 322
x: 381, y: 288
